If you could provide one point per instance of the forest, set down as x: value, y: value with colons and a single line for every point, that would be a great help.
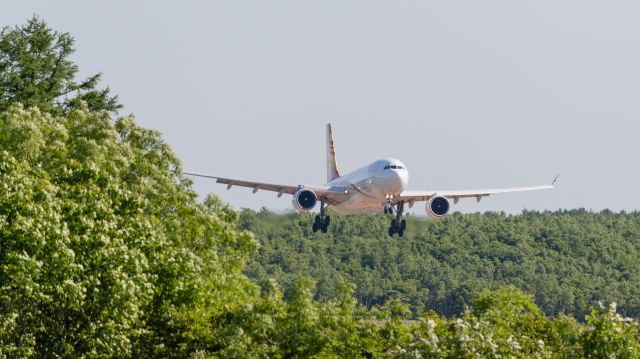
x: 106, y: 250
x: 569, y: 260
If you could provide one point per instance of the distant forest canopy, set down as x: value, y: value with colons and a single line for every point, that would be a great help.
x: 106, y: 251
x: 570, y: 260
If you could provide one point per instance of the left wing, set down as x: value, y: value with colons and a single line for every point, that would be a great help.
x: 332, y: 195
x: 417, y: 196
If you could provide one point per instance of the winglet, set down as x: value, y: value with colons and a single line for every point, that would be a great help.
x: 555, y: 180
x: 332, y: 163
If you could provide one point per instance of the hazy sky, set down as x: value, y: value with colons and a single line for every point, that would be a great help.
x: 468, y: 94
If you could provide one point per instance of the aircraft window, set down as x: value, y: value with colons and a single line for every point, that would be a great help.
x: 386, y: 167
x: 394, y: 167
x: 400, y: 167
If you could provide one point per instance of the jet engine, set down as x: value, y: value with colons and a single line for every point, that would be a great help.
x: 438, y: 207
x: 304, y: 200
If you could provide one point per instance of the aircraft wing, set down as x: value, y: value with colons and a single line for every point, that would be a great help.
x: 332, y: 195
x: 417, y: 196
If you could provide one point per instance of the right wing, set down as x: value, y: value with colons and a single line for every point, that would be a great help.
x: 417, y: 196
x: 332, y: 195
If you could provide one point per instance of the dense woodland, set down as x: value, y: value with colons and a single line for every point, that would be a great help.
x: 569, y: 260
x: 106, y: 251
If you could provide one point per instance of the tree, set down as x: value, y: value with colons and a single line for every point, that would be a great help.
x: 104, y: 247
x: 570, y: 260
x: 611, y: 335
x: 36, y: 70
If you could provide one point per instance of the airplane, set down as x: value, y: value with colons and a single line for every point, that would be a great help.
x: 379, y: 186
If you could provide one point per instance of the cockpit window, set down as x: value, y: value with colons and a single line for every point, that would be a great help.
x: 395, y: 167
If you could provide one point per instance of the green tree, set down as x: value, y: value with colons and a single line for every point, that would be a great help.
x: 36, y: 70
x: 611, y: 335
x: 569, y: 260
x: 104, y: 247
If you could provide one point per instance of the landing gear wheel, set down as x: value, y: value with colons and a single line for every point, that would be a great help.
x: 321, y: 221
x: 398, y: 225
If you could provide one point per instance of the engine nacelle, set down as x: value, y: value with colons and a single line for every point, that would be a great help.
x: 438, y: 207
x: 304, y: 200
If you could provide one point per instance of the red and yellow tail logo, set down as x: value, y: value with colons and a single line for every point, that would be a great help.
x: 332, y: 163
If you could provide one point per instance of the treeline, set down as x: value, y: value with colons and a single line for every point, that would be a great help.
x: 570, y: 260
x: 106, y: 251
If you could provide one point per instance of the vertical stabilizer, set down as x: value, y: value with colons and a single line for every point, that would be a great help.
x: 332, y: 164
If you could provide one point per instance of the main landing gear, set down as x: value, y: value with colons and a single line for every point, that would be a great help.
x: 321, y: 221
x: 398, y: 225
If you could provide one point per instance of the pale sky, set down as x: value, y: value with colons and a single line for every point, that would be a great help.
x: 468, y: 94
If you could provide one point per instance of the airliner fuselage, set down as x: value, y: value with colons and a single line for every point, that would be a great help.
x: 371, y: 187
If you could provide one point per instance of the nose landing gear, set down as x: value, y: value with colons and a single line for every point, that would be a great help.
x: 398, y: 225
x: 388, y: 207
x: 321, y: 222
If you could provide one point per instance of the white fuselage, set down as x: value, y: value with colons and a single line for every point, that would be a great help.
x: 371, y: 186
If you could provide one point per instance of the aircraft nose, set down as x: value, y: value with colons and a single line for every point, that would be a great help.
x: 398, y: 181
x: 404, y: 179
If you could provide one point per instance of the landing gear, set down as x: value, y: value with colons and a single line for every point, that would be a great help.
x: 398, y: 225
x: 388, y: 207
x: 321, y: 222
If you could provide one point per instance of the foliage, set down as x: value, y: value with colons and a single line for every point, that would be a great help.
x: 36, y: 70
x: 104, y: 247
x: 570, y: 260
x: 611, y: 335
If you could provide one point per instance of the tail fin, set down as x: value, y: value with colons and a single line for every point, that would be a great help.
x: 332, y: 164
